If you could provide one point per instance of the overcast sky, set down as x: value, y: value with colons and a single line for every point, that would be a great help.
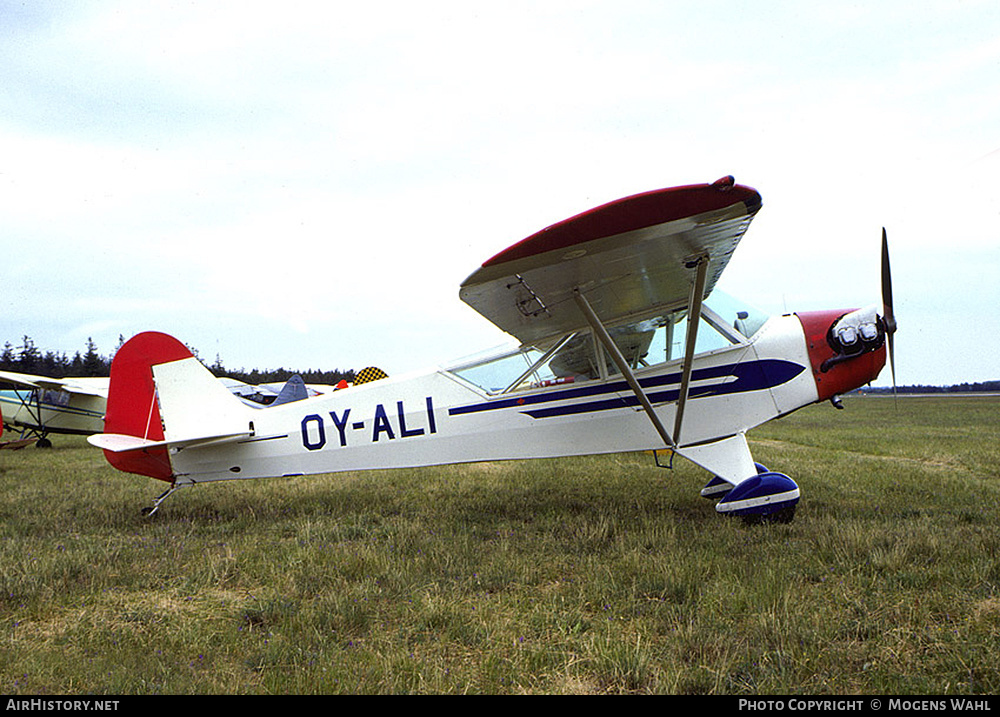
x: 306, y: 184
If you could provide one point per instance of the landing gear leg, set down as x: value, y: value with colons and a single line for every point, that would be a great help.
x: 149, y: 510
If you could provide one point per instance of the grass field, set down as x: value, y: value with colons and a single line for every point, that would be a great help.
x: 595, y: 575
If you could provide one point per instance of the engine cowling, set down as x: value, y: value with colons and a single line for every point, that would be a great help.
x: 840, y: 363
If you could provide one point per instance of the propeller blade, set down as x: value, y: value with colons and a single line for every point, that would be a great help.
x: 889, y: 317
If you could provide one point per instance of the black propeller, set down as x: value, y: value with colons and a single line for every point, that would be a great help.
x: 888, y: 317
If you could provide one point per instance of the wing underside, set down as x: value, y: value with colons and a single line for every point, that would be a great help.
x: 629, y: 258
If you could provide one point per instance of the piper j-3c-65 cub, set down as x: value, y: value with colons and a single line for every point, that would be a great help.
x: 624, y: 347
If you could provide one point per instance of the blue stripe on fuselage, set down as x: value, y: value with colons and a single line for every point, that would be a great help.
x: 749, y: 376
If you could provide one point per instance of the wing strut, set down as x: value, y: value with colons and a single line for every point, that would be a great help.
x: 622, y: 364
x: 693, y: 320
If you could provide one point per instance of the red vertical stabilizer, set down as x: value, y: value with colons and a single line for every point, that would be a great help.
x: 132, y: 406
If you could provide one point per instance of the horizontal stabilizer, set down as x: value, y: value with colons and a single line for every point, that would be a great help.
x: 121, y: 443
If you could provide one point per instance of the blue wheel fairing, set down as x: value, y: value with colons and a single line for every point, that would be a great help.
x: 763, y: 496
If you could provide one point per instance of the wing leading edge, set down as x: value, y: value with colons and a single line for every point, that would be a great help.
x: 629, y: 257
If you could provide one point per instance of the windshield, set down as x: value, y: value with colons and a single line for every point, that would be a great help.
x: 737, y: 313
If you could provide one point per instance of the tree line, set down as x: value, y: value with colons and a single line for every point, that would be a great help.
x: 974, y: 387
x: 29, y: 358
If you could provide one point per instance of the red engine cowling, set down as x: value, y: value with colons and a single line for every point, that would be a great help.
x: 834, y: 376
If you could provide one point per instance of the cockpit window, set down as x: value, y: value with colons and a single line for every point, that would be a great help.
x: 581, y: 357
x: 495, y: 373
x: 55, y: 398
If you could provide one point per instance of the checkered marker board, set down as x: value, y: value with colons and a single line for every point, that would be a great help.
x: 369, y: 374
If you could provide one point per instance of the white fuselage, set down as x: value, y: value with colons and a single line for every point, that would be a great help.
x: 438, y: 417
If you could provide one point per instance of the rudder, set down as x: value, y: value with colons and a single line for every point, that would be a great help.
x: 132, y: 405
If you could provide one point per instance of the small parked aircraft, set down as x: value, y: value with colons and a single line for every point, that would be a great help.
x: 623, y: 347
x: 53, y: 405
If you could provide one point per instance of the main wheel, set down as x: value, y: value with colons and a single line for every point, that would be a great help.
x: 767, y: 497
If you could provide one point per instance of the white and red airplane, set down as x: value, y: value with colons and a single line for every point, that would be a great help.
x: 624, y: 347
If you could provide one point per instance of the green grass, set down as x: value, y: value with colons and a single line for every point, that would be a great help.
x: 594, y: 575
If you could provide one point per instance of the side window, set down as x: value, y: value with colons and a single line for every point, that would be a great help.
x: 664, y: 338
x: 495, y: 375
x: 580, y: 357
x: 55, y: 398
x: 572, y: 359
x: 576, y: 360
